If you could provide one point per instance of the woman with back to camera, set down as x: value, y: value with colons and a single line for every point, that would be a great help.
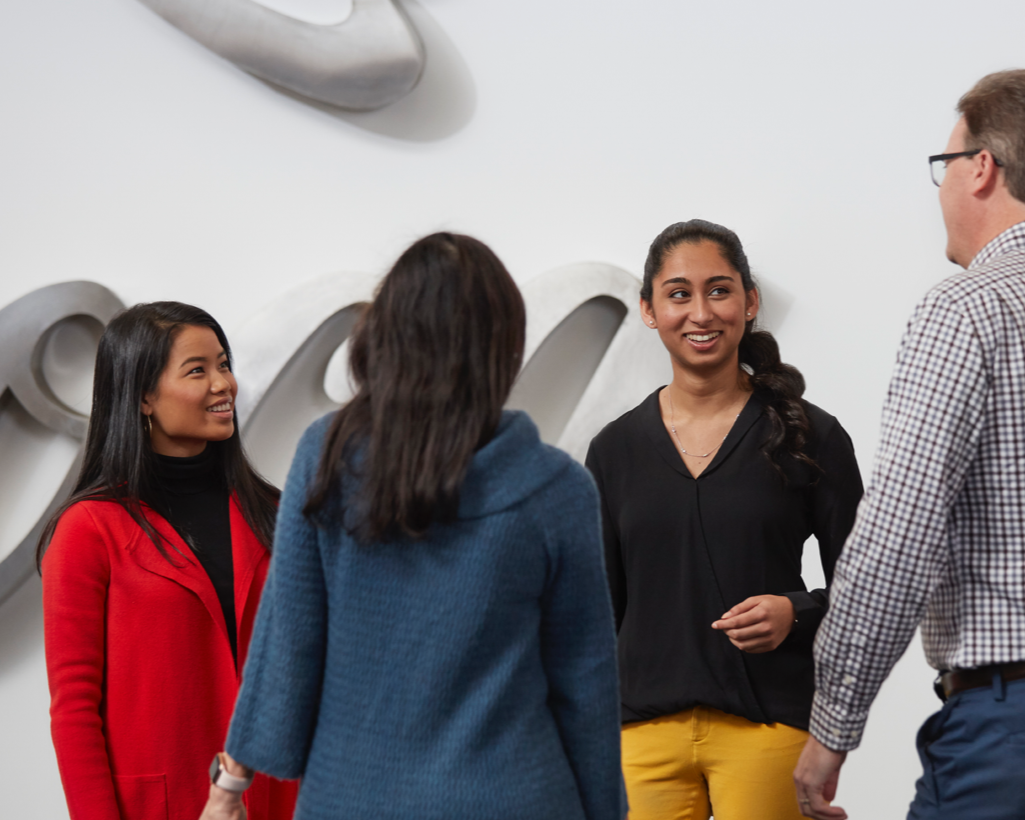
x: 436, y: 639
x: 710, y: 488
x: 153, y: 574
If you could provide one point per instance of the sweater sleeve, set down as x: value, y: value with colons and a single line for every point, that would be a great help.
x: 835, y: 499
x: 276, y: 712
x: 76, y: 575
x: 578, y: 645
x: 614, y: 570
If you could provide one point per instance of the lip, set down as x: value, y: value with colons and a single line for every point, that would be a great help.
x: 702, y: 346
x: 228, y: 413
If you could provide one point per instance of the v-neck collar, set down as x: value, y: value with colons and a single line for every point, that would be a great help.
x: 651, y: 416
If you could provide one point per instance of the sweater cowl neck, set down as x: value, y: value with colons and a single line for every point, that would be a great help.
x: 508, y: 469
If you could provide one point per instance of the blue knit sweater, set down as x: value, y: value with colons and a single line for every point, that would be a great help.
x: 471, y: 674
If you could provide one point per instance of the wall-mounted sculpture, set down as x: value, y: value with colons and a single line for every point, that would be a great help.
x: 586, y: 364
x: 47, y: 349
x: 373, y: 58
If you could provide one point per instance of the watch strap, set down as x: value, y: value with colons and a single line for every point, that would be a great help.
x: 220, y: 777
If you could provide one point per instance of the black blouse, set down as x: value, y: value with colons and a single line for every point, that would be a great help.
x: 681, y: 551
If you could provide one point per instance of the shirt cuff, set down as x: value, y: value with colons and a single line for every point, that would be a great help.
x: 808, y: 612
x: 835, y: 726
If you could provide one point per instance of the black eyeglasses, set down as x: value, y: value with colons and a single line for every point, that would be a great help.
x: 938, y: 163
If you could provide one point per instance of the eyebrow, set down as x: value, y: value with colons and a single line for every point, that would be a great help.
x: 682, y: 280
x: 192, y: 359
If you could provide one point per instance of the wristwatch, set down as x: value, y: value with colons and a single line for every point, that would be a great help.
x: 220, y: 777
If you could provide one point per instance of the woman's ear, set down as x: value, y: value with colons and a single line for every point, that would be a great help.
x: 647, y: 313
x: 752, y: 303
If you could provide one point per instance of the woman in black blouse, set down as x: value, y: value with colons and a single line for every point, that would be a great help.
x: 710, y: 487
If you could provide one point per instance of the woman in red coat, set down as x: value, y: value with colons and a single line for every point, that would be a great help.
x: 153, y: 574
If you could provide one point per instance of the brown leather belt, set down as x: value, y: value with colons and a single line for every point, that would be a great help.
x: 957, y: 680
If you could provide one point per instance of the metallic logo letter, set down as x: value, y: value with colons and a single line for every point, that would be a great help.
x: 373, y: 58
x: 47, y: 341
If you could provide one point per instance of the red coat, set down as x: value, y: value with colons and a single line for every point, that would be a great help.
x: 142, y: 681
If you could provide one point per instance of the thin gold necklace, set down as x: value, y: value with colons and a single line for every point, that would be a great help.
x: 672, y: 426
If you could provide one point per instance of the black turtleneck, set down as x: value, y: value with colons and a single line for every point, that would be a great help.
x: 195, y: 503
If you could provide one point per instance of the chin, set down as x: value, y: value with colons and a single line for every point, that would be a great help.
x: 222, y: 435
x: 708, y: 365
x: 954, y: 253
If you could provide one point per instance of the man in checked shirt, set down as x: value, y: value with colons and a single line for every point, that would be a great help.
x: 940, y: 534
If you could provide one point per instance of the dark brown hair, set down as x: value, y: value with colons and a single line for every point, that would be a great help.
x: 433, y: 359
x: 119, y: 464
x: 782, y: 385
x: 994, y: 111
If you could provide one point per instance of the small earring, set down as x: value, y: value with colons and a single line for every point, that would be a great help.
x: 749, y: 313
x: 149, y: 425
x: 652, y: 322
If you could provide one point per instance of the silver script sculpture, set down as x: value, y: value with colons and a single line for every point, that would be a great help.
x: 586, y: 362
x: 370, y: 60
x: 47, y: 349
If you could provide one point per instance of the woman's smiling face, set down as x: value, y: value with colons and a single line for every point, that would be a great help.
x: 699, y: 306
x: 195, y: 398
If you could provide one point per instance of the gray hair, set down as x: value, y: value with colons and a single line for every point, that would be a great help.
x: 994, y: 112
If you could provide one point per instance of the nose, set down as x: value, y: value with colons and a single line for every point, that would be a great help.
x: 219, y: 383
x: 701, y: 311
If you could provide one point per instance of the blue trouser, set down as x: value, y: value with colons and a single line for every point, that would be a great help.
x: 973, y: 756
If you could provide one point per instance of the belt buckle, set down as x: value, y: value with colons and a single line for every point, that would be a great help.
x: 939, y: 686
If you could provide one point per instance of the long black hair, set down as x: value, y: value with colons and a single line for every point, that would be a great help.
x: 119, y: 465
x: 781, y: 384
x: 433, y: 359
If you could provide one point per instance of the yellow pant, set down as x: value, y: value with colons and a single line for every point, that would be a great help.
x: 692, y: 764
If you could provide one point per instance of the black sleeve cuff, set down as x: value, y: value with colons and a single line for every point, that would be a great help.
x: 809, y: 610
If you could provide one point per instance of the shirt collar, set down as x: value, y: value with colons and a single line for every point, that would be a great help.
x: 1010, y: 240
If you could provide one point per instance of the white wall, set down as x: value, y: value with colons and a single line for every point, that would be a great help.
x: 556, y: 132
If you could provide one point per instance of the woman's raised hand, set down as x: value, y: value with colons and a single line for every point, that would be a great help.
x: 758, y: 624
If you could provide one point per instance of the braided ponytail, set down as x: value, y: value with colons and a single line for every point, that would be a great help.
x: 781, y: 385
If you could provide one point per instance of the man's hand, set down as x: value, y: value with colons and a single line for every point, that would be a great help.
x: 758, y: 624
x: 816, y: 778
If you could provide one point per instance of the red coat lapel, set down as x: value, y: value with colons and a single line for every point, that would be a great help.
x: 249, y: 559
x: 185, y: 569
x: 247, y: 556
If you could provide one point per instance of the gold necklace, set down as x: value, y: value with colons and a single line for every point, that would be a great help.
x: 672, y: 426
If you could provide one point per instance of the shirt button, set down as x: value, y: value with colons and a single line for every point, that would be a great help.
x: 848, y: 680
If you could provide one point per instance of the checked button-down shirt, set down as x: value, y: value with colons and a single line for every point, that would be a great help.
x: 940, y: 534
